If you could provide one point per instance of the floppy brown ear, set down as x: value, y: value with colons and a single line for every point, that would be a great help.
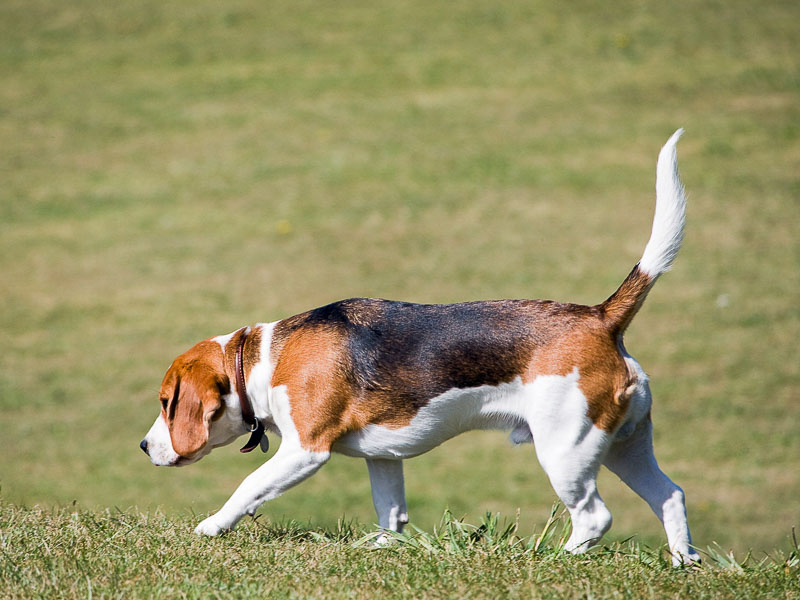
x: 191, y: 412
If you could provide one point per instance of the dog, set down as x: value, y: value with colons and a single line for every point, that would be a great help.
x: 386, y: 381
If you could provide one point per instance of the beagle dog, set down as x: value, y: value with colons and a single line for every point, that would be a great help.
x: 386, y: 381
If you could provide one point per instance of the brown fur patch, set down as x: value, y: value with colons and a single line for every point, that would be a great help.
x: 251, y: 354
x: 604, y: 375
x: 310, y: 368
x: 622, y: 305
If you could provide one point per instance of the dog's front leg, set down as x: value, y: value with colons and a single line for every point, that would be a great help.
x: 388, y: 494
x: 290, y: 465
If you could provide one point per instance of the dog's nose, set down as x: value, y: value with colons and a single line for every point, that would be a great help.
x: 143, y: 446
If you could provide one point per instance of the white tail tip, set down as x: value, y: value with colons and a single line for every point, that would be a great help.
x: 667, y: 235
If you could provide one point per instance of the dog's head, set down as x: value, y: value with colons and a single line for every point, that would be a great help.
x: 196, y: 414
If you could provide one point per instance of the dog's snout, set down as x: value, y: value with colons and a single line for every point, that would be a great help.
x: 143, y: 446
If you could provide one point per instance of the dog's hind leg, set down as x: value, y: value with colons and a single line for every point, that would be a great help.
x: 388, y: 494
x: 573, y: 475
x: 633, y: 461
x: 571, y: 448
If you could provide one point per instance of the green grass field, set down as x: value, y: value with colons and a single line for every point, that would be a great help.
x: 124, y: 554
x: 172, y: 171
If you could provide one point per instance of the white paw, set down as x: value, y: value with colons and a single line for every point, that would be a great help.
x: 211, y: 527
x: 689, y: 558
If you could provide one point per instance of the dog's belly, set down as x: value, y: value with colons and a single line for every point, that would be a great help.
x: 445, y: 416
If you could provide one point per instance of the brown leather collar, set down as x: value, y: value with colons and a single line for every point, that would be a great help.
x: 249, y: 417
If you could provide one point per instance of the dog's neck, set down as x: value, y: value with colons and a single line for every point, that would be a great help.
x: 259, y: 376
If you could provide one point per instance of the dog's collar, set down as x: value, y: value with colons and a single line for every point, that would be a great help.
x: 249, y: 417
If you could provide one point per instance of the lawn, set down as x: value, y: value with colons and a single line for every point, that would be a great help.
x: 124, y: 554
x: 173, y: 171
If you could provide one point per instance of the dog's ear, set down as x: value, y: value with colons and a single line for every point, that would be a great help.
x: 197, y: 400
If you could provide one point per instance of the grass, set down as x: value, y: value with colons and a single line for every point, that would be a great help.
x: 174, y: 171
x: 71, y: 553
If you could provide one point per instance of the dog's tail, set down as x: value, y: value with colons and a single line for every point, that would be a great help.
x: 665, y: 241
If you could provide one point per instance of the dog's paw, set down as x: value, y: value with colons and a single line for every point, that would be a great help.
x: 211, y: 527
x: 691, y: 558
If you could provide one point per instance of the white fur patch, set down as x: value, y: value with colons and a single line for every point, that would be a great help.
x: 159, y: 445
x: 555, y: 402
x: 261, y: 375
x: 667, y: 235
x: 223, y: 340
x: 444, y: 417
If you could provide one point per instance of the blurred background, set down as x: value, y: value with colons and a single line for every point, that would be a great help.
x: 172, y: 171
